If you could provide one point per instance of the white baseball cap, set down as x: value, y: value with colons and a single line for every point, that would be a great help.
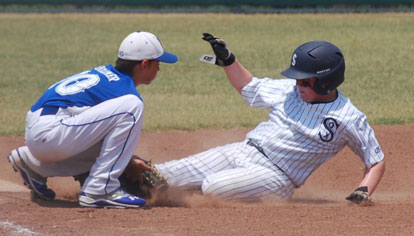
x: 140, y: 45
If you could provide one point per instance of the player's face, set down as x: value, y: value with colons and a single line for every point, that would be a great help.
x: 152, y: 70
x: 147, y: 71
x: 306, y: 92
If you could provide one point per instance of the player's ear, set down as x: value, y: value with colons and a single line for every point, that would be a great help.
x: 137, y: 69
x: 145, y: 63
x: 140, y: 66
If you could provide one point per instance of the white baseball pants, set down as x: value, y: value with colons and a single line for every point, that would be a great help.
x: 234, y: 171
x: 100, y: 139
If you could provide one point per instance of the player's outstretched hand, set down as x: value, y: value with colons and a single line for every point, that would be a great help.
x: 360, y: 197
x: 224, y: 57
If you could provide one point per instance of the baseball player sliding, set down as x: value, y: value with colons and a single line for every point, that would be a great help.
x: 310, y: 121
x: 91, y: 122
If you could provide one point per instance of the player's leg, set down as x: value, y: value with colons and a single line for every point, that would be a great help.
x: 253, y: 177
x: 75, y: 165
x: 248, y: 183
x: 115, y: 124
x: 34, y: 181
x: 189, y: 172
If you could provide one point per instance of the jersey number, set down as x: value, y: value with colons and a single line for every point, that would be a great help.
x: 77, y: 83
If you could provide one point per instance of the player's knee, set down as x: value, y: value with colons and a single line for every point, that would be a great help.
x: 129, y: 103
x: 205, y: 187
x: 212, y: 187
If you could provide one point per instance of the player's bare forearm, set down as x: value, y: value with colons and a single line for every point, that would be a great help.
x: 238, y: 75
x: 373, y: 176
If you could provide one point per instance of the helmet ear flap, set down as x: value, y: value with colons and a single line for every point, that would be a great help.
x: 321, y: 87
x: 325, y: 84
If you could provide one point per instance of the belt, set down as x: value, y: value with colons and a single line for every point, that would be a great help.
x: 253, y: 143
x: 49, y: 111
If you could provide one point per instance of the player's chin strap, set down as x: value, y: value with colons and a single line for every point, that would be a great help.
x: 254, y: 143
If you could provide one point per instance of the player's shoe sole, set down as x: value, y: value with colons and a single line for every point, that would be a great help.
x: 34, y: 181
x: 116, y: 199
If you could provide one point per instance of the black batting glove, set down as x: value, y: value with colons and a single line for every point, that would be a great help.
x: 360, y: 197
x: 224, y: 57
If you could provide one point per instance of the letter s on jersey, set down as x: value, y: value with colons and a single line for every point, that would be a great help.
x: 329, y: 128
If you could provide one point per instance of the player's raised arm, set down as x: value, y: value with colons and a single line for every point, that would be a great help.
x: 236, y: 73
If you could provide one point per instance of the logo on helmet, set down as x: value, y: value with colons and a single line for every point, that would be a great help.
x: 294, y: 59
x: 323, y: 71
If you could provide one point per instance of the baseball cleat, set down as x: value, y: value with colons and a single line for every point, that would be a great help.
x: 116, y: 199
x: 34, y: 181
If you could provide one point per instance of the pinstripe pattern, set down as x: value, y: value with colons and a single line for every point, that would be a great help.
x: 232, y: 171
x: 296, y: 139
x: 292, y: 135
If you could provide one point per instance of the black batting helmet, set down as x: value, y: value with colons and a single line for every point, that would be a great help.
x: 319, y: 59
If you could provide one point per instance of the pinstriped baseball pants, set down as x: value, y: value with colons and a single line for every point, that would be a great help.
x: 233, y: 171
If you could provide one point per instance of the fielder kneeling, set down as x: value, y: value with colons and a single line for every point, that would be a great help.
x: 90, y: 123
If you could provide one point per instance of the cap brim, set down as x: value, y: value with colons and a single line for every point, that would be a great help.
x: 167, y: 58
x: 295, y: 74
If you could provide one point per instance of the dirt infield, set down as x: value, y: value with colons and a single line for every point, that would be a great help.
x: 317, y: 208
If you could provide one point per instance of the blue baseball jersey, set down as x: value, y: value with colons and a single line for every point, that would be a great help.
x: 88, y: 88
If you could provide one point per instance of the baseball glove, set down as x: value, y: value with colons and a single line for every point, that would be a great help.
x: 360, y: 197
x: 141, y: 182
x: 81, y: 178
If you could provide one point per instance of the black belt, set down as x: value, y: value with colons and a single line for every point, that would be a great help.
x: 253, y: 143
x: 49, y: 111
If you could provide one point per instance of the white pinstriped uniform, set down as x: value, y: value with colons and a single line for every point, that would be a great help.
x: 296, y: 140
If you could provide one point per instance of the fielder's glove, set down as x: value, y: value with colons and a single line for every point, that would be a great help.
x: 81, y: 178
x: 137, y: 181
x: 224, y: 57
x: 142, y: 183
x: 360, y: 197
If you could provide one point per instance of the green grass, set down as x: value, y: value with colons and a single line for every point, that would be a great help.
x: 40, y: 49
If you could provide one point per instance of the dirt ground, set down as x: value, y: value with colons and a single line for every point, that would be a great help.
x: 317, y: 208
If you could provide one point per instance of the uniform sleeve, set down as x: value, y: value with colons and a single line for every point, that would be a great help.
x: 263, y: 93
x: 363, y: 142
